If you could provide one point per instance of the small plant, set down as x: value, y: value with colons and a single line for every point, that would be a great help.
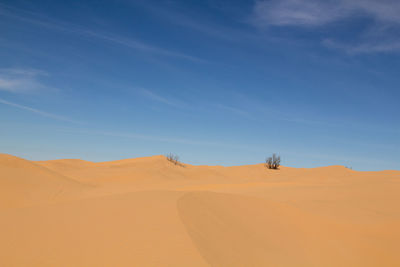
x: 273, y: 162
x: 174, y: 159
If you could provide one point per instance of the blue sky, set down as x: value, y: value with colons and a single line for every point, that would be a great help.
x: 216, y: 82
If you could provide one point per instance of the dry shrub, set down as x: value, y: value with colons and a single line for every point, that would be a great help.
x: 273, y: 162
x: 174, y: 159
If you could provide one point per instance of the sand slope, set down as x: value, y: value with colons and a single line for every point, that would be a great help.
x: 149, y: 212
x: 25, y: 183
x: 234, y: 230
x: 136, y: 229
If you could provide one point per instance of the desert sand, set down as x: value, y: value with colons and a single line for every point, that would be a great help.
x: 150, y: 212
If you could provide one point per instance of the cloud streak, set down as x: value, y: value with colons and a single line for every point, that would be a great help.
x: 381, y: 34
x: 21, y: 80
x: 233, y: 110
x: 182, y: 19
x: 38, y: 112
x: 40, y: 20
x: 158, y: 98
x: 364, y: 47
x: 321, y: 12
x: 295, y: 12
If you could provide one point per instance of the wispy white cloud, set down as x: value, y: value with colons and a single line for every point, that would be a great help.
x: 38, y: 112
x: 234, y: 110
x: 135, y: 44
x: 58, y: 25
x: 320, y: 12
x: 182, y: 19
x: 296, y: 12
x: 21, y: 80
x: 381, y: 35
x: 372, y: 46
x: 159, y: 98
x: 383, y: 10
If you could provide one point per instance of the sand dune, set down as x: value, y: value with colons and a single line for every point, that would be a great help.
x: 234, y: 230
x: 149, y: 212
x: 135, y: 229
x: 25, y: 183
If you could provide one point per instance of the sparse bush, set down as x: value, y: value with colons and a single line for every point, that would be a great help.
x: 174, y: 159
x: 273, y: 162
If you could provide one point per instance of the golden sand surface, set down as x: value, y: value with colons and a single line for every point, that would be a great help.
x: 150, y: 212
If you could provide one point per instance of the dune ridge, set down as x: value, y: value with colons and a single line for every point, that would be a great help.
x: 150, y: 212
x: 25, y: 183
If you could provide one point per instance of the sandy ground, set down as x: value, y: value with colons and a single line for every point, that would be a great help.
x: 149, y: 212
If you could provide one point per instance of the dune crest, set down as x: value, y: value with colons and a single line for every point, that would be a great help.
x: 150, y: 212
x: 25, y: 183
